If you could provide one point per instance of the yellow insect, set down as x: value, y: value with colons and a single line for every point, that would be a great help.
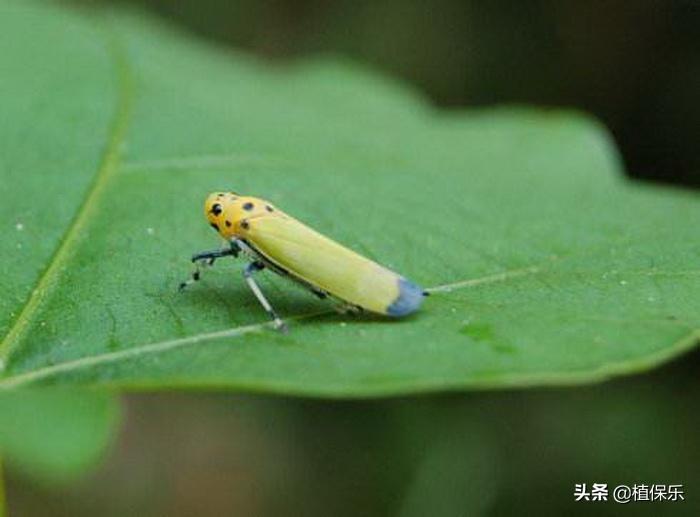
x: 271, y: 239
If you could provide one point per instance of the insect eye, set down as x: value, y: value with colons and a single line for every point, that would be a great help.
x: 216, y: 209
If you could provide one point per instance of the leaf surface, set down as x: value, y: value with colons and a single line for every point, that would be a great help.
x: 546, y: 266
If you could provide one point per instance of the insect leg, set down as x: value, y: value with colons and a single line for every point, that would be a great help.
x: 208, y: 258
x: 248, y: 272
x: 319, y: 292
x: 211, y: 256
x: 348, y: 308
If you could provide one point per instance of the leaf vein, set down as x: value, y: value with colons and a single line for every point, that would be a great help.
x: 108, y: 165
x: 161, y: 346
x: 194, y: 161
x: 497, y: 277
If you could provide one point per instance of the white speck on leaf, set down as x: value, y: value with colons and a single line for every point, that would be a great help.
x: 19, y: 227
x: 150, y: 231
x: 623, y: 282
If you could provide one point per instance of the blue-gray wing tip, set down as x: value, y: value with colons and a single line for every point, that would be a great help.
x: 409, y: 299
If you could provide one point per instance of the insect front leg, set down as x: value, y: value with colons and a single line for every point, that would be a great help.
x: 248, y: 273
x: 207, y: 259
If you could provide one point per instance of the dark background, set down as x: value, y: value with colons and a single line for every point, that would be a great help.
x: 635, y: 64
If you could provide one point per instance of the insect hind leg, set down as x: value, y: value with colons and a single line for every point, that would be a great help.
x: 348, y: 308
x: 319, y: 292
x: 248, y: 273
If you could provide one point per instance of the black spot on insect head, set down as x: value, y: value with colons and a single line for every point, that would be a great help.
x: 219, y: 195
x: 216, y: 209
x: 228, y: 224
x: 269, y: 208
x: 248, y: 206
x: 245, y: 225
x: 215, y: 226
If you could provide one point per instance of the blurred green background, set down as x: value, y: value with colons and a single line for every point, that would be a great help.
x: 490, y: 453
x: 635, y: 65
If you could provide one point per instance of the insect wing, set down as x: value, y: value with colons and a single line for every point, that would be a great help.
x: 324, y: 263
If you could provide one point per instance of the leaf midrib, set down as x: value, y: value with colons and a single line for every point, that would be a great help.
x: 135, y: 351
x: 108, y: 165
x: 513, y: 380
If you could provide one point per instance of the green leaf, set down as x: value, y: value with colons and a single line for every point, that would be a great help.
x: 546, y: 266
x: 52, y: 436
